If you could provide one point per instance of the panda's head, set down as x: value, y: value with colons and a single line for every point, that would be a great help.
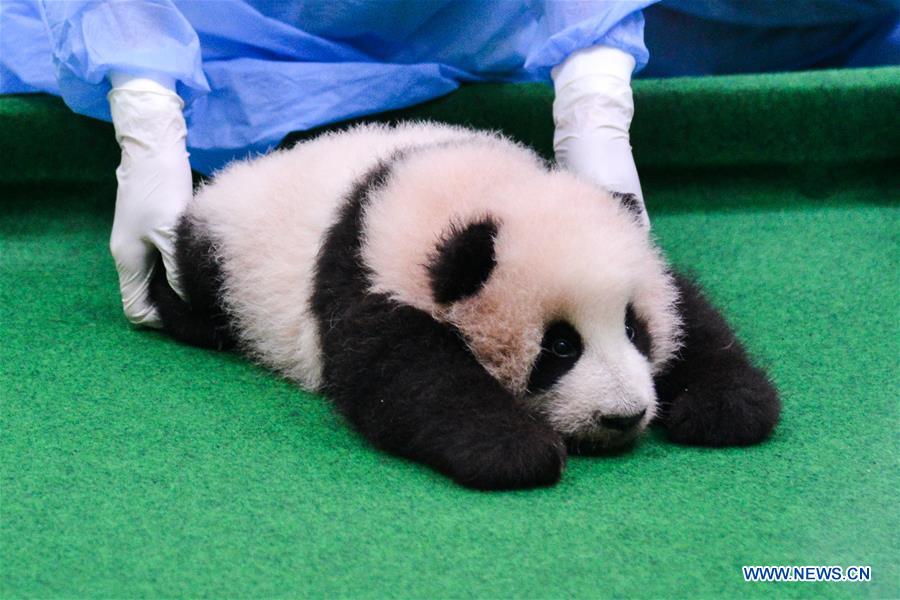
x: 553, y: 283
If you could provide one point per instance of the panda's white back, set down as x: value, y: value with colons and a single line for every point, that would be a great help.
x: 268, y: 217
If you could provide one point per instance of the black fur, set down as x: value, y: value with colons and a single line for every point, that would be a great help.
x: 201, y: 321
x: 463, y: 261
x: 552, y: 363
x: 637, y: 332
x: 711, y: 394
x: 410, y: 385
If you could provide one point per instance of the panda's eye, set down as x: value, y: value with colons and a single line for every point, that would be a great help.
x: 637, y: 332
x: 560, y: 350
x: 563, y: 348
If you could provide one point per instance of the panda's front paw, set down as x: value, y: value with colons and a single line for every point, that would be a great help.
x: 525, y: 459
x: 737, y: 409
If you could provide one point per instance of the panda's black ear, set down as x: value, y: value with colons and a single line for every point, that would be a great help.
x: 463, y: 260
x: 630, y: 202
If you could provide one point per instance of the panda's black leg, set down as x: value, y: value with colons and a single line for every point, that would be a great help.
x: 711, y: 394
x: 201, y: 320
x: 411, y: 387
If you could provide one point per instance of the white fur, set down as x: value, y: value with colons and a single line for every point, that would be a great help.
x: 269, y: 216
x: 565, y: 249
x: 611, y: 378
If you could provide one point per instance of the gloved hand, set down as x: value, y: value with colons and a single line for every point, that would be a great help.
x: 154, y: 179
x: 592, y: 112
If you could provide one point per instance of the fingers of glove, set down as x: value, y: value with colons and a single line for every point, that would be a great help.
x: 149, y: 202
x: 163, y: 239
x: 135, y: 263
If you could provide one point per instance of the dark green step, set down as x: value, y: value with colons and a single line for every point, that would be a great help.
x: 816, y: 117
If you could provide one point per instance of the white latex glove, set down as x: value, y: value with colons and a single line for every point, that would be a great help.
x: 592, y: 112
x: 154, y: 187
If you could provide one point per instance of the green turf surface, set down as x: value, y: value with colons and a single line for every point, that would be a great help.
x: 135, y: 466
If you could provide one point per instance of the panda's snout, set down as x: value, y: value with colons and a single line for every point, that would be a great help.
x: 618, y: 422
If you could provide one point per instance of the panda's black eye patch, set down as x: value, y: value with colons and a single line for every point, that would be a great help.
x: 561, y: 348
x: 636, y: 330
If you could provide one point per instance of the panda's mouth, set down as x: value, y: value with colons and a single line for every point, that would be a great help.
x: 607, y: 434
x: 593, y: 448
x: 603, y: 443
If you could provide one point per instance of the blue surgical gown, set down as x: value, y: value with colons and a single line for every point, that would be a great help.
x: 253, y: 71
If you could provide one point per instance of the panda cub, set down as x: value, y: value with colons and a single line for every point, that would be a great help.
x: 463, y: 304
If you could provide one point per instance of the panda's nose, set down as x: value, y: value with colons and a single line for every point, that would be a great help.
x: 623, y: 422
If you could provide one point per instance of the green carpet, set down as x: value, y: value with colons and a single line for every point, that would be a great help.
x: 135, y: 466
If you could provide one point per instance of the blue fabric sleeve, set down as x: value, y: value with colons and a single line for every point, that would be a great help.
x: 255, y: 102
x: 25, y: 63
x: 574, y: 25
x: 89, y: 39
